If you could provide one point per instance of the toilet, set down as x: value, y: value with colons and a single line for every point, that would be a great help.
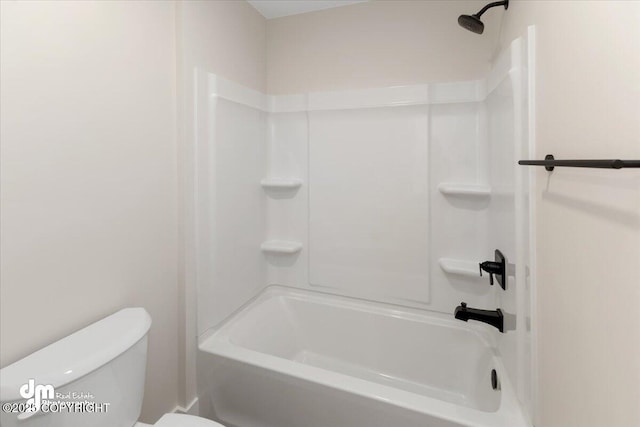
x: 93, y: 377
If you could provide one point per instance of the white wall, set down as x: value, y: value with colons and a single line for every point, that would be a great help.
x: 588, y: 221
x: 94, y: 176
x: 224, y: 37
x: 89, y: 176
x: 378, y: 44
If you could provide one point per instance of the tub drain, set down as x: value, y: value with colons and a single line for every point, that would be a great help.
x: 495, y: 384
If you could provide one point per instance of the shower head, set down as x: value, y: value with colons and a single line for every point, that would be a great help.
x: 473, y: 22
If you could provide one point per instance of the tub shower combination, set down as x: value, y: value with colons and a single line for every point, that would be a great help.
x: 341, y: 236
x: 294, y: 357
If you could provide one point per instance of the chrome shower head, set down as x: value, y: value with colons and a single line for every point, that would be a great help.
x: 473, y: 22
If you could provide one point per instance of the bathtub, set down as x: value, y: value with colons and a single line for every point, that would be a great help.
x: 295, y: 358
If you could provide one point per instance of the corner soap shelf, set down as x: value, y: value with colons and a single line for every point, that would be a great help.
x: 459, y: 267
x: 460, y: 189
x: 283, y: 247
x: 280, y: 183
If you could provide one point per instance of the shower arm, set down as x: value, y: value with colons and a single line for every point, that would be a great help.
x: 490, y: 5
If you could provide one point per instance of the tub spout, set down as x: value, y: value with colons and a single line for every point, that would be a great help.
x: 491, y: 317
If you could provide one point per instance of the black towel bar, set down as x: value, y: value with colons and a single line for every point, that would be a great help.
x: 550, y: 162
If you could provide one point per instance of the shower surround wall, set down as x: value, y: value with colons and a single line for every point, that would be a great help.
x: 392, y: 194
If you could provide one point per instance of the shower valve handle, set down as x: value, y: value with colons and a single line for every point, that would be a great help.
x: 497, y: 268
x: 491, y: 268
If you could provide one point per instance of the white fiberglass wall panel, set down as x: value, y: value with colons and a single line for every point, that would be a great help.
x: 369, y: 202
x: 502, y: 208
x: 231, y: 266
x: 508, y: 214
x: 458, y: 145
x: 288, y: 208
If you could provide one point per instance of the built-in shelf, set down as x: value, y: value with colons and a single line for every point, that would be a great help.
x: 460, y: 267
x: 459, y: 189
x: 280, y: 183
x: 285, y: 247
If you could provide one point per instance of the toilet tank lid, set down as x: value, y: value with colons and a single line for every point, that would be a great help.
x: 78, y: 354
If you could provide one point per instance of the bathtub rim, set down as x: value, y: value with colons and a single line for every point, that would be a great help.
x: 487, y: 334
x: 216, y: 342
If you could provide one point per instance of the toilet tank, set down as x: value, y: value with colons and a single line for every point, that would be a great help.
x: 93, y: 377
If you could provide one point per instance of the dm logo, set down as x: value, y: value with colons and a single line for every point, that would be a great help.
x: 36, y: 394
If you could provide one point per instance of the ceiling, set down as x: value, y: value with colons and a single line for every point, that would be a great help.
x: 277, y: 8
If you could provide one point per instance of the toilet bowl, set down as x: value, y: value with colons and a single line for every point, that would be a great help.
x: 93, y: 377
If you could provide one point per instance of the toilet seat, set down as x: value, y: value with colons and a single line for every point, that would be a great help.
x: 181, y: 420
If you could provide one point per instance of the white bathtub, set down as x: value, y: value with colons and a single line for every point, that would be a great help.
x: 294, y: 358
